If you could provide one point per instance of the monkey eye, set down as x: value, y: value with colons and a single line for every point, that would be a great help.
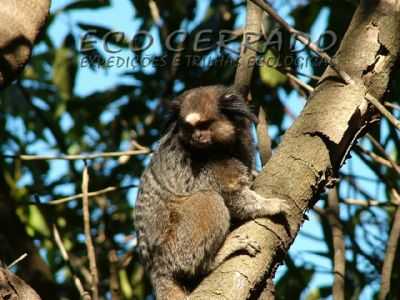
x: 186, y: 125
x: 204, y: 124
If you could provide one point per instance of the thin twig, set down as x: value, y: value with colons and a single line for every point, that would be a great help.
x: 301, y: 83
x: 88, y: 236
x: 366, y: 203
x: 19, y: 259
x: 155, y: 13
x: 383, y: 110
x: 383, y: 152
x: 76, y: 157
x: 84, y: 294
x: 156, y: 16
x: 379, y: 159
x: 392, y: 105
x: 297, y: 72
x: 338, y: 245
x: 390, y: 252
x: 138, y: 146
x: 304, y: 40
x: 91, y: 194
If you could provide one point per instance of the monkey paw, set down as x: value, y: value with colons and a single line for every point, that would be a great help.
x: 278, y: 206
x: 236, y: 243
x: 245, y: 243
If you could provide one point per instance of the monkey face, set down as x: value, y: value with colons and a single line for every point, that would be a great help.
x: 207, y: 133
x: 211, y: 116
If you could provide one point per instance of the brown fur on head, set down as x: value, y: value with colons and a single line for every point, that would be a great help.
x: 211, y: 116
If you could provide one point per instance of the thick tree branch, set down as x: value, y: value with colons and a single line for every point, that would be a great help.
x: 248, y: 52
x: 315, y: 147
x: 20, y: 23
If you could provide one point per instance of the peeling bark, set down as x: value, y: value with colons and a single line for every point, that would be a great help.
x: 13, y: 287
x: 20, y: 23
x: 314, y: 148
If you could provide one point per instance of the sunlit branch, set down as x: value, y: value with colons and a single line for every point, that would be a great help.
x: 84, y: 294
x: 88, y: 236
x: 78, y: 156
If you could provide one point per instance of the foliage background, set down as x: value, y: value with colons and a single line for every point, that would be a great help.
x: 62, y: 105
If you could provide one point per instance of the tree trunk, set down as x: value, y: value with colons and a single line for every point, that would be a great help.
x: 315, y: 147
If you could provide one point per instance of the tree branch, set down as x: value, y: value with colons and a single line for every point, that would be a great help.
x: 249, y: 47
x: 78, y: 156
x: 88, y: 235
x: 390, y: 252
x: 13, y: 287
x: 315, y: 147
x: 78, y: 283
x: 339, y: 259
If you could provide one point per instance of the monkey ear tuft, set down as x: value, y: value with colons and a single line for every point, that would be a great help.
x: 233, y: 104
x: 230, y: 99
x: 172, y: 115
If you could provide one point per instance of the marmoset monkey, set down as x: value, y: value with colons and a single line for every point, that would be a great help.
x: 197, y: 182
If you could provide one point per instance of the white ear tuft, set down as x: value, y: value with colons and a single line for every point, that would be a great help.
x: 193, y: 118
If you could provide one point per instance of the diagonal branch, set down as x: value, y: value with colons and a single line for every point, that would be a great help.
x: 78, y: 283
x: 314, y: 148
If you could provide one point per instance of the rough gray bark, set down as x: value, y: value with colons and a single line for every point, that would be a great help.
x: 13, y: 287
x: 20, y: 23
x: 314, y: 148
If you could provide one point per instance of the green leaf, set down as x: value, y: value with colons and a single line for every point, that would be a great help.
x: 37, y: 221
x: 125, y: 284
x: 268, y: 72
x: 65, y: 69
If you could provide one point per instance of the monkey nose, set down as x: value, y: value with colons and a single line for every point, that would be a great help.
x: 200, y: 137
x: 197, y: 135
